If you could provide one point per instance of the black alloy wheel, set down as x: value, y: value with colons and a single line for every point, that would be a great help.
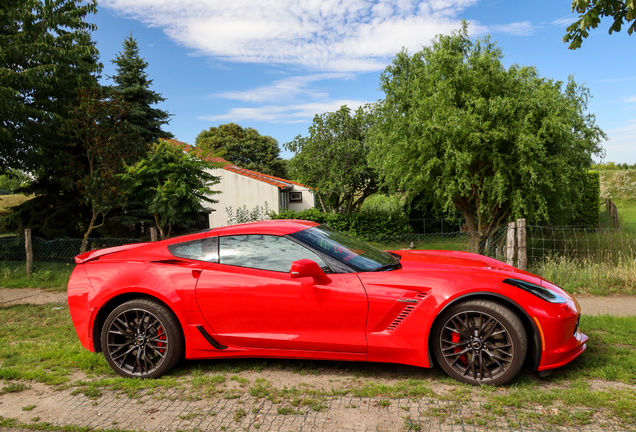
x: 480, y: 342
x: 142, y: 339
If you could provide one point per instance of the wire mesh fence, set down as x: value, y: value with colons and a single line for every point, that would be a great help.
x: 597, y: 245
x: 492, y: 244
x: 60, y: 250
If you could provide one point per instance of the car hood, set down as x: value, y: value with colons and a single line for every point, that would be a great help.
x: 456, y: 261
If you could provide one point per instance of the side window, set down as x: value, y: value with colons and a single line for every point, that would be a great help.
x: 265, y: 252
x: 206, y: 249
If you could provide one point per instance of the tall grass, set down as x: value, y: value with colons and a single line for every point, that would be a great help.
x: 577, y: 275
x: 50, y: 276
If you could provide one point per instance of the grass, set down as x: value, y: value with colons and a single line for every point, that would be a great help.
x: 49, y: 276
x: 579, y: 276
x: 8, y: 201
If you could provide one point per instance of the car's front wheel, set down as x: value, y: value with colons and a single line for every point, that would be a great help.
x: 142, y: 339
x: 480, y: 342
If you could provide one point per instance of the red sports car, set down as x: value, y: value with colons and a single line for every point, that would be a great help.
x: 296, y: 289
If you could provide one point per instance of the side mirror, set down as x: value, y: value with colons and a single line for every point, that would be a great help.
x: 306, y: 268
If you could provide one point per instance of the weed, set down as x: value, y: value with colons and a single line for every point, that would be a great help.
x: 14, y: 387
x: 28, y: 408
x: 239, y: 414
x: 384, y: 402
x: 285, y: 410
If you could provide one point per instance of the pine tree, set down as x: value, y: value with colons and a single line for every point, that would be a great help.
x: 132, y: 83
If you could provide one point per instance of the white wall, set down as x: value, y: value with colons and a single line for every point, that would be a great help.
x: 238, y: 191
x: 308, y: 199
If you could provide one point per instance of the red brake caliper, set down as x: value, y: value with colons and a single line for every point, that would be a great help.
x: 162, y: 336
x: 456, y: 338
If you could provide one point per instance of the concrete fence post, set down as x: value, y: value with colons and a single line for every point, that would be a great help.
x: 522, y: 250
x: 153, y: 234
x: 510, y: 244
x: 29, y: 251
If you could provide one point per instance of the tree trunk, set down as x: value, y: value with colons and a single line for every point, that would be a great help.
x: 473, y: 231
x: 91, y: 227
x: 159, y: 227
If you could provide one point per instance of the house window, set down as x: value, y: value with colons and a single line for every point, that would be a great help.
x: 295, y: 197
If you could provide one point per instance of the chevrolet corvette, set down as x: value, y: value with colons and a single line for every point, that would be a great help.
x: 296, y: 289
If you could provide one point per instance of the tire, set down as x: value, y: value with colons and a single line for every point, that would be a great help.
x: 142, y: 339
x: 480, y: 342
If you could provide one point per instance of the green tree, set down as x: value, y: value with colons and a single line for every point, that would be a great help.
x: 105, y: 141
x: 174, y: 183
x: 13, y: 180
x: 45, y: 53
x: 244, y: 147
x: 132, y: 83
x: 591, y: 12
x: 492, y: 142
x: 333, y: 158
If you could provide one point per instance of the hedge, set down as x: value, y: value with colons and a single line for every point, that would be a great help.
x: 588, y: 209
x: 362, y: 224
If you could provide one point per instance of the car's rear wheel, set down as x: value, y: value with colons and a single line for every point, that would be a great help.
x: 142, y: 339
x: 480, y: 342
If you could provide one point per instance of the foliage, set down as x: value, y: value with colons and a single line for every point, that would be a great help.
x: 243, y: 215
x: 105, y: 141
x: 45, y: 53
x: 383, y: 203
x: 49, y: 276
x: 618, y: 184
x: 612, y: 166
x: 333, y: 158
x: 495, y: 144
x: 591, y: 12
x: 174, y: 183
x: 14, y: 179
x: 244, y: 147
x: 588, y: 210
x: 362, y: 224
x: 133, y: 86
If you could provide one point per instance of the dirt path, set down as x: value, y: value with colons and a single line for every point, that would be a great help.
x: 590, y: 305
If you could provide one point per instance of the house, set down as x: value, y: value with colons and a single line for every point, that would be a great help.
x: 242, y: 187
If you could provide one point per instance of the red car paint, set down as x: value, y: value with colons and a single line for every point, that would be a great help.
x: 365, y: 316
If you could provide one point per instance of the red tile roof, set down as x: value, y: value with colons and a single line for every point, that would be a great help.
x: 276, y: 181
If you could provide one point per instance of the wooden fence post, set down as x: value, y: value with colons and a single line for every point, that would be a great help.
x: 510, y: 244
x: 522, y: 250
x: 153, y: 234
x: 29, y: 251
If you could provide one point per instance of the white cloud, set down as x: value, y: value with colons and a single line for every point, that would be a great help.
x: 328, y: 35
x: 285, y: 89
x: 564, y: 22
x: 294, y: 113
x: 523, y: 28
x: 621, y: 146
x: 631, y: 99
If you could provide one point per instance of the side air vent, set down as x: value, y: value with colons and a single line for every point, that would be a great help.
x: 401, y: 317
x: 421, y: 295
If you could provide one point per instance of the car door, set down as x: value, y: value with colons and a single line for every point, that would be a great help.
x: 250, y: 299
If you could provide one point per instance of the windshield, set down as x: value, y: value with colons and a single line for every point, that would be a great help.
x: 354, y: 253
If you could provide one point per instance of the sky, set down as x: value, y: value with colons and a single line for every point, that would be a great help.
x: 274, y: 64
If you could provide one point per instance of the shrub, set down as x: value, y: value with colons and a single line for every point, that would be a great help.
x: 588, y: 210
x: 368, y: 222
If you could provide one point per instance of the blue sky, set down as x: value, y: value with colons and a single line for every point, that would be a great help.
x: 274, y: 64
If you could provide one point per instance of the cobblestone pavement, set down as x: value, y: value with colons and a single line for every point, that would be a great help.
x: 173, y: 410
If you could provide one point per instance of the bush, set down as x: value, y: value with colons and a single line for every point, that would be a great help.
x: 368, y: 222
x: 588, y: 210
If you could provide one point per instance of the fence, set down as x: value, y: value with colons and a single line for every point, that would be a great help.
x: 60, y: 250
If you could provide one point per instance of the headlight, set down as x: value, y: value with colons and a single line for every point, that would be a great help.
x: 539, y: 291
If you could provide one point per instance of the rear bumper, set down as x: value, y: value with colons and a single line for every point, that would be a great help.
x: 79, y: 288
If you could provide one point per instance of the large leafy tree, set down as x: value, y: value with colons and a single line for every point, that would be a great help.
x: 133, y: 84
x: 174, y: 184
x: 45, y: 54
x: 333, y: 158
x: 105, y: 142
x: 491, y: 142
x: 244, y: 147
x: 591, y: 12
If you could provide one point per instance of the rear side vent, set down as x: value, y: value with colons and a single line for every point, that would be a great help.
x: 421, y: 295
x: 401, y: 317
